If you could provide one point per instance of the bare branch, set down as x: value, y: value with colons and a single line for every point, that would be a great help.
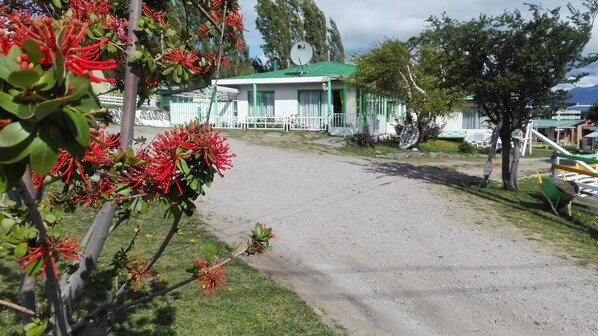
x: 18, y: 308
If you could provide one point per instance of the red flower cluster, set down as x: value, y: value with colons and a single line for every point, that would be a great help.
x: 188, y: 59
x: 138, y: 270
x: 158, y: 16
x: 78, y: 59
x: 82, y: 9
x: 118, y: 25
x: 181, y: 143
x: 209, y: 277
x: 67, y: 247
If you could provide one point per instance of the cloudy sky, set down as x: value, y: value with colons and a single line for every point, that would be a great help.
x: 361, y: 23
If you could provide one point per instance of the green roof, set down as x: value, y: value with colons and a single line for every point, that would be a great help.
x: 554, y: 123
x: 332, y: 69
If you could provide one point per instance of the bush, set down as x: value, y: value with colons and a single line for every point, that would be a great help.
x: 468, y: 148
x: 362, y: 139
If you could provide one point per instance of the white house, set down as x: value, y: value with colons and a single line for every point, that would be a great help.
x: 311, y: 97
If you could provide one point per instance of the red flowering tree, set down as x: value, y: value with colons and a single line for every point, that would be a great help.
x: 50, y: 54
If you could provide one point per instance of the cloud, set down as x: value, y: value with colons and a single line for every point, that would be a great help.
x: 363, y: 23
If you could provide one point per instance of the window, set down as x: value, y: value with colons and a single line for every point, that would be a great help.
x: 310, y: 103
x: 265, y: 104
x: 471, y: 119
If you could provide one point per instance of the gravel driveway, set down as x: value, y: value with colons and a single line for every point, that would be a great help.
x: 379, y: 248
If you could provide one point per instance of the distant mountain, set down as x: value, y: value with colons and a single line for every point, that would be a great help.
x: 584, y: 95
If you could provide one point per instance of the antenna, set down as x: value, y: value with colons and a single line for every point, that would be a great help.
x: 301, y: 53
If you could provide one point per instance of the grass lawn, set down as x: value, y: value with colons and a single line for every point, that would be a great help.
x: 252, y: 304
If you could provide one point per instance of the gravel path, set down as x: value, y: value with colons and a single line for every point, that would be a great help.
x: 378, y: 248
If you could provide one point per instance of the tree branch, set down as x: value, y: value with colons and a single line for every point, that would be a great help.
x: 207, y: 16
x: 173, y: 229
x: 218, y: 61
x: 192, y: 278
x: 18, y: 308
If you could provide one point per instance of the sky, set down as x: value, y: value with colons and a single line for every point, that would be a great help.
x: 362, y: 23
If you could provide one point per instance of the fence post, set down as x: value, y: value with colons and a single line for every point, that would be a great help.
x: 555, y: 161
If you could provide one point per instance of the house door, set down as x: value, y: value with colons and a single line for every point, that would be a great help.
x: 337, y: 101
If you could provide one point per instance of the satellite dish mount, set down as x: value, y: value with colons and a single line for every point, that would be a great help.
x: 301, y: 54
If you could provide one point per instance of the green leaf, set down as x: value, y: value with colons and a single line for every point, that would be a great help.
x: 167, y: 71
x: 7, y: 224
x: 137, y: 55
x: 21, y: 249
x: 57, y: 3
x: 13, y: 53
x: 50, y: 219
x: 31, y: 48
x: 15, y: 133
x: 23, y: 79
x: 23, y: 111
x: 42, y: 157
x: 10, y: 176
x: 59, y: 63
x: 42, y: 110
x: 77, y: 125
x: 81, y: 85
x: 35, y: 267
x: 47, y: 81
x: 139, y: 206
x: 7, y: 66
x: 183, y: 166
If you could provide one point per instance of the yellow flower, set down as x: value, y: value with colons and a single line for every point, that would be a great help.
x: 135, y: 229
x: 192, y: 241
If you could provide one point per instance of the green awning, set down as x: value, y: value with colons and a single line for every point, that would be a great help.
x: 592, y: 135
x: 554, y: 123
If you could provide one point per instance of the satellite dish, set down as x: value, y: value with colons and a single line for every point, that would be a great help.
x: 301, y: 53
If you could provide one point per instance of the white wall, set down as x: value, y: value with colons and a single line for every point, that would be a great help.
x: 286, y: 97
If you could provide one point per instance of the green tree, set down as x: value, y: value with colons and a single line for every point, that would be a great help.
x: 273, y: 23
x: 413, y: 76
x: 282, y: 23
x: 335, y: 43
x: 511, y: 64
x: 314, y: 23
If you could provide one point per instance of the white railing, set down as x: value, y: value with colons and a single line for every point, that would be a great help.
x: 278, y: 123
x: 229, y: 122
x: 344, y: 120
x: 307, y: 123
x: 142, y: 117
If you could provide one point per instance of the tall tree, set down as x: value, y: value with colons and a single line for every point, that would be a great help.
x: 415, y: 77
x: 335, y: 43
x: 511, y: 64
x: 314, y: 22
x: 272, y: 22
x: 285, y: 22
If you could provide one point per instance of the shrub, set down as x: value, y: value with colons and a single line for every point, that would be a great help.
x: 468, y: 148
x: 363, y: 139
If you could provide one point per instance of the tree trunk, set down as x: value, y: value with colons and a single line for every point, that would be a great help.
x: 507, y: 174
x: 131, y: 79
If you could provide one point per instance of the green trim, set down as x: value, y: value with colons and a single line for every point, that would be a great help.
x: 259, y: 111
x: 329, y: 98
x: 344, y: 102
x: 254, y: 98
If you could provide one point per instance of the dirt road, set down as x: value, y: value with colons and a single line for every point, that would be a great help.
x: 379, y: 249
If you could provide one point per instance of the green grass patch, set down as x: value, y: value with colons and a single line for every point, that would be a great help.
x: 252, y: 304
